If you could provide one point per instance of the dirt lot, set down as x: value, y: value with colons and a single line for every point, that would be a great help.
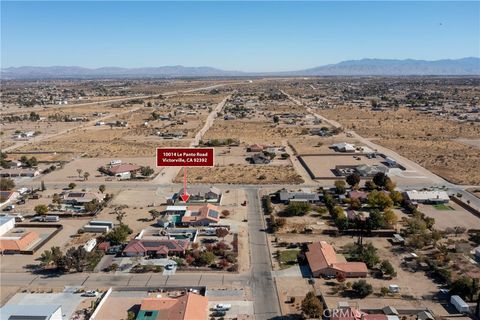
x: 69, y: 172
x: 238, y: 174
x: 104, y: 142
x: 251, y: 132
x: 451, y: 218
x: 426, y: 139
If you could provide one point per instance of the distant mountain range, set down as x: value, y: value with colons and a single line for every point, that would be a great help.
x: 365, y: 67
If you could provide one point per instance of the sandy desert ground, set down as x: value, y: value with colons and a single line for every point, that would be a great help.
x: 426, y: 139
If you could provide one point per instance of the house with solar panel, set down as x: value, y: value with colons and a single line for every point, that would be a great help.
x: 201, y: 216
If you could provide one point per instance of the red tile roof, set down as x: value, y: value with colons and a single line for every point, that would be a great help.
x: 321, y: 255
x: 124, y: 167
x: 187, y: 307
x: 18, y: 244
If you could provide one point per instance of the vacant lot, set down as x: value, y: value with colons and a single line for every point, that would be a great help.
x: 238, y: 174
x: 426, y: 139
x: 251, y: 132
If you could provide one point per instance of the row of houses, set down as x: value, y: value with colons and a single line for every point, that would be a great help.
x: 414, y: 196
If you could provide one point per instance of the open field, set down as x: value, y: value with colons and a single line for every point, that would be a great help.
x: 243, y: 174
x: 251, y: 132
x: 426, y: 139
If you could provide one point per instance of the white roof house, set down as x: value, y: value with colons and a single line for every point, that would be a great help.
x: 7, y: 223
x: 343, y: 147
x: 37, y: 312
x: 435, y: 196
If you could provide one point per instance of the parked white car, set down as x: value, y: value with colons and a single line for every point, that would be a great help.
x: 91, y: 293
x: 222, y: 307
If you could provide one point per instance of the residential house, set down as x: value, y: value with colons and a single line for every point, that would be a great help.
x: 202, y: 194
x: 343, y: 147
x: 122, y: 171
x: 32, y: 312
x: 255, y: 148
x: 79, y: 198
x: 360, y: 195
x: 190, y: 306
x: 305, y: 195
x: 7, y: 223
x: 323, y: 261
x: 433, y: 197
x: 156, y: 248
x: 202, y: 216
x: 15, y: 244
x: 369, y: 171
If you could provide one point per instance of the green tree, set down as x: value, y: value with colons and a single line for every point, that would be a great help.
x: 79, y: 171
x: 340, y: 186
x: 387, y: 268
x: 92, y: 206
x: 362, y: 288
x: 353, y: 179
x: 41, y: 209
x: 378, y: 199
x: 205, y: 258
x: 146, y: 171
x: 155, y: 214
x: 396, y: 197
x: 465, y: 287
x: 370, y: 185
x: 297, y: 209
x: 101, y: 188
x: 86, y: 175
x: 312, y: 306
x: 390, y: 217
x: 72, y: 185
x: 6, y: 184
x: 119, y: 234
x: 380, y: 179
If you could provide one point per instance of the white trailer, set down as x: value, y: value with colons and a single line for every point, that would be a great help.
x: 459, y: 304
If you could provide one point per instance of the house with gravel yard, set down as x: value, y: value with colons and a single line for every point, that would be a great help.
x: 202, y: 216
x: 190, y: 306
x: 430, y: 197
x: 323, y: 261
x: 156, y: 248
x: 304, y: 195
x: 202, y: 194
x: 80, y: 198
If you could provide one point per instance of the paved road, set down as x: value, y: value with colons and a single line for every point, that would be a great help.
x: 266, y: 304
x: 259, y: 278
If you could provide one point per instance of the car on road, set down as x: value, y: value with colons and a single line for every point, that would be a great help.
x: 91, y: 293
x: 21, y: 201
x: 169, y: 266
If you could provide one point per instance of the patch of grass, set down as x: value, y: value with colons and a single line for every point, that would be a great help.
x: 287, y: 258
x: 442, y: 207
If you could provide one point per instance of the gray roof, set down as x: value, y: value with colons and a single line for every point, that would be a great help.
x: 201, y: 190
x: 286, y: 195
x: 30, y: 312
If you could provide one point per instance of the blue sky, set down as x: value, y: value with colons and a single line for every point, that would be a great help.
x: 247, y: 36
